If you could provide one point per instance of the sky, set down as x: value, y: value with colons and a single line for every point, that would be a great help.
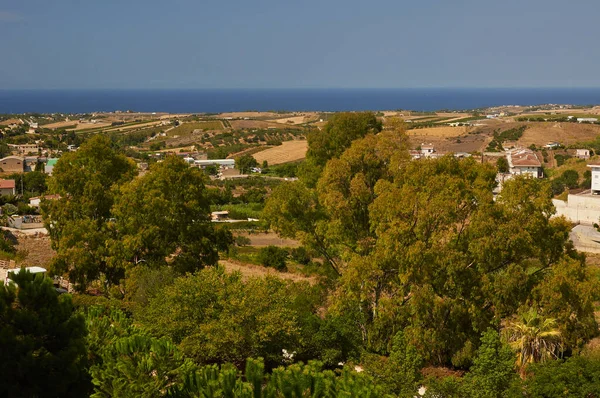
x: 74, y: 44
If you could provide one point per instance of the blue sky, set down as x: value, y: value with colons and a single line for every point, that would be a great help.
x: 281, y: 44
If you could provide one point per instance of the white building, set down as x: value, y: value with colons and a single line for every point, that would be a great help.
x: 524, y: 162
x: 595, y: 178
x: 587, y: 119
x: 224, y: 163
x: 427, y: 150
x: 582, y: 153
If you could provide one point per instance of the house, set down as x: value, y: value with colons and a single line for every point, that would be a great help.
x: 552, y: 145
x: 24, y: 149
x: 524, y: 162
x: 217, y: 216
x: 427, y: 150
x: 7, y: 187
x: 36, y: 201
x: 12, y: 164
x: 32, y: 270
x: 414, y: 155
x: 582, y: 153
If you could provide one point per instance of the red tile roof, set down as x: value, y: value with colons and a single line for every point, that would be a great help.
x: 525, y: 158
x: 7, y: 184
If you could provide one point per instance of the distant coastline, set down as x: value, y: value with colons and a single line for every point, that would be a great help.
x: 295, y: 100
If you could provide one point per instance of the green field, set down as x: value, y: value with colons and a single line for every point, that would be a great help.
x: 187, y: 128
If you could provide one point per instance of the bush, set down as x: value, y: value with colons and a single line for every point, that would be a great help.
x: 242, y: 240
x: 300, y: 255
x: 273, y: 257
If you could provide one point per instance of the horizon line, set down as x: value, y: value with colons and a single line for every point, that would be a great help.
x: 306, y: 88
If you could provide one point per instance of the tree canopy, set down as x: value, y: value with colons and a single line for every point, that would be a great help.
x: 85, y: 180
x: 42, y: 341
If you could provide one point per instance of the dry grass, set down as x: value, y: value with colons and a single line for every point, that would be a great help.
x: 10, y: 121
x: 566, y: 133
x: 269, y: 115
x: 269, y: 239
x: 254, y: 271
x: 259, y: 124
x: 38, y: 251
x: 289, y: 151
x: 439, y: 132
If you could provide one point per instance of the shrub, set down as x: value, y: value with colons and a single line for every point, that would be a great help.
x: 300, y: 255
x: 273, y: 256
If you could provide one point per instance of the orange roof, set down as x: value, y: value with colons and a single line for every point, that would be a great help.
x: 7, y: 184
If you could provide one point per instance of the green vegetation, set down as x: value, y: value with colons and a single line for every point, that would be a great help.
x: 419, y: 276
x: 507, y: 135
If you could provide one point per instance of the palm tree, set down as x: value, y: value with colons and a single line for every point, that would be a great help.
x: 534, y: 338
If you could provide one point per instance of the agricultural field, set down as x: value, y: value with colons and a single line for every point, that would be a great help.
x: 186, y: 129
x: 288, y: 151
x: 439, y: 132
x: 259, y: 124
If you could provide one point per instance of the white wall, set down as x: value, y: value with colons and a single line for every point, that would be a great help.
x: 584, y: 209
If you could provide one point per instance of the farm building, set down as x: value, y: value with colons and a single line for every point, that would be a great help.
x: 587, y: 119
x: 224, y: 163
x: 12, y: 164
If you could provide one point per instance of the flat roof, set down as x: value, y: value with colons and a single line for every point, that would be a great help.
x: 33, y: 270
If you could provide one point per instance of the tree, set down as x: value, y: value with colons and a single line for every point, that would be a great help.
x: 502, y: 165
x: 85, y: 180
x: 245, y: 163
x: 162, y: 215
x: 578, y: 376
x: 338, y: 134
x: 534, y: 338
x: 215, y: 317
x: 128, y: 362
x: 42, y: 341
x: 493, y: 370
x: 570, y: 178
x: 400, y: 373
x: 273, y: 256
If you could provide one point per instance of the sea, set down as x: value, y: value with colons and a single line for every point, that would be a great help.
x: 296, y: 100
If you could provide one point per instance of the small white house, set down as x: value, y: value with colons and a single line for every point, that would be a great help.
x: 582, y: 153
x: 427, y: 150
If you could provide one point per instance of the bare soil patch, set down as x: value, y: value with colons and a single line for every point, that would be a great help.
x: 288, y: 151
x: 37, y: 250
x: 269, y: 239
